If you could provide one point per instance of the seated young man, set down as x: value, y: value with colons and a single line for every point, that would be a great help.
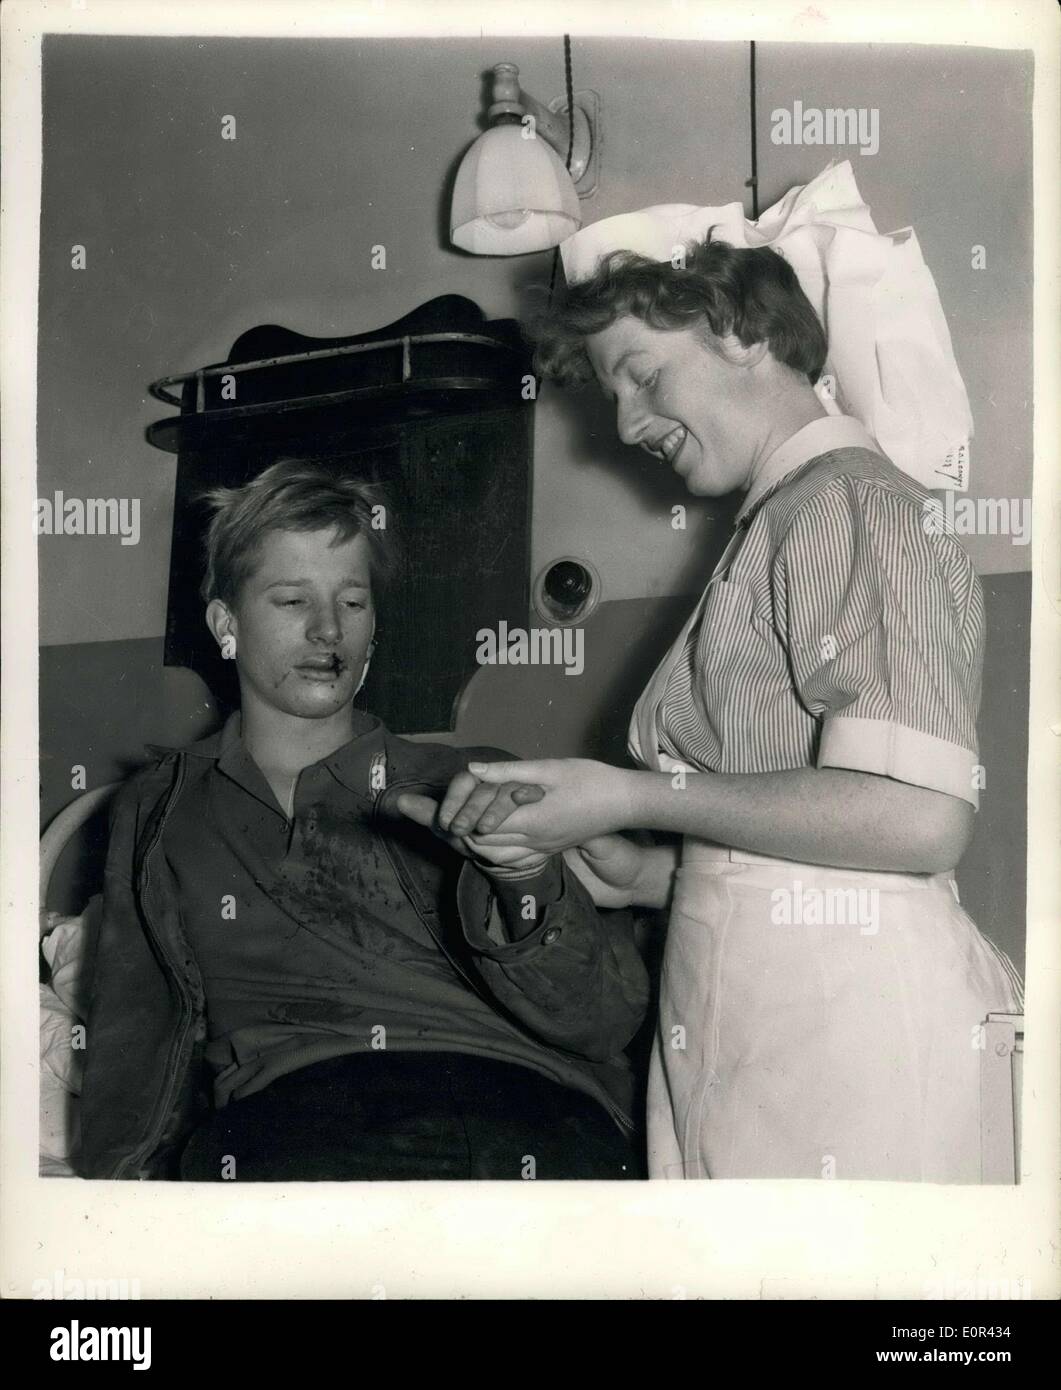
x: 293, y: 980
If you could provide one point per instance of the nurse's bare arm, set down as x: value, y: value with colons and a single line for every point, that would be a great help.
x: 847, y: 819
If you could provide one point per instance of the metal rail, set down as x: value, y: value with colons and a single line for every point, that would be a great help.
x: 406, y: 342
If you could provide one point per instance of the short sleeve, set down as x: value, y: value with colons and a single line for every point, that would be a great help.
x: 883, y: 624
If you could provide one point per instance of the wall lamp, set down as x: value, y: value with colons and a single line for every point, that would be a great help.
x: 518, y: 187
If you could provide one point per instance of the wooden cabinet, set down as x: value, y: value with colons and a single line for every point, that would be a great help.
x: 433, y: 407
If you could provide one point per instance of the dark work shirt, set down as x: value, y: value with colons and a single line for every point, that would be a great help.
x: 307, y: 944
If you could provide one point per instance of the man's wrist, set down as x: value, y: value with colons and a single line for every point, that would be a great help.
x: 523, y: 900
x: 515, y: 873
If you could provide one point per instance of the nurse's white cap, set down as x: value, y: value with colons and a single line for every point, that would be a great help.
x: 890, y: 362
x: 656, y: 233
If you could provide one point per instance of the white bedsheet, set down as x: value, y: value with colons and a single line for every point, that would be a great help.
x: 62, y: 1044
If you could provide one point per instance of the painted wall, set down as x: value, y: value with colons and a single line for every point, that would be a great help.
x: 341, y: 146
x: 955, y: 163
x: 344, y: 145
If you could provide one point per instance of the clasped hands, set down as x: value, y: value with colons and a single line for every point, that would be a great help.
x: 511, y: 816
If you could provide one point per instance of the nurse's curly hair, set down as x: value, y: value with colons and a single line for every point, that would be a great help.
x: 751, y: 293
x: 293, y: 494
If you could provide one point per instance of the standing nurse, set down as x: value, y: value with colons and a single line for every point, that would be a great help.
x: 811, y: 735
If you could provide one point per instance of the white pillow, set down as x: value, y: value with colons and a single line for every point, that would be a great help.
x: 61, y: 1061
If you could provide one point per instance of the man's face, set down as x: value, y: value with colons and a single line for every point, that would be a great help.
x: 302, y: 623
x: 683, y: 403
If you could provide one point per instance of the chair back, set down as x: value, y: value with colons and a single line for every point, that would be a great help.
x: 62, y: 829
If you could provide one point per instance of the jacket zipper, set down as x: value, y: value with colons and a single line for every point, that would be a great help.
x: 476, y: 988
x: 173, y: 1071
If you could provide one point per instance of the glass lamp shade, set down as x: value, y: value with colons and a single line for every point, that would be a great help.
x: 512, y: 195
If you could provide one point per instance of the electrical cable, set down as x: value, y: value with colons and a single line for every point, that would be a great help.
x: 569, y: 85
x: 753, y: 182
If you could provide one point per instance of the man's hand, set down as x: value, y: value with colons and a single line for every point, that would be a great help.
x: 466, y: 791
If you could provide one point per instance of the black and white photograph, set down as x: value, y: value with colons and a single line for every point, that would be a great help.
x: 545, y: 652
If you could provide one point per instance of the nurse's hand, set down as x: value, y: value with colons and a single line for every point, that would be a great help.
x: 583, y: 799
x: 619, y: 873
x: 424, y: 810
x: 609, y: 867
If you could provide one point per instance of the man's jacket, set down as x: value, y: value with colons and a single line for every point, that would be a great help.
x: 576, y: 984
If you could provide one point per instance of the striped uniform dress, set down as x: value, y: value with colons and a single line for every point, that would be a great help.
x: 816, y: 1021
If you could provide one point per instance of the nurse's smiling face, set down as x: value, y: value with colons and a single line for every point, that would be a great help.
x: 687, y: 405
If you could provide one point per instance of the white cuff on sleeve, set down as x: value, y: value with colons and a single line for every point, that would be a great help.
x: 894, y: 750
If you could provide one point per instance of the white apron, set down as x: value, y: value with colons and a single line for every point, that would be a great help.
x: 814, y: 1022
x: 819, y: 1023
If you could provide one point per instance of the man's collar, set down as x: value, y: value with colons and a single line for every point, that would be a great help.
x: 352, y: 763
x: 819, y: 437
x: 348, y: 763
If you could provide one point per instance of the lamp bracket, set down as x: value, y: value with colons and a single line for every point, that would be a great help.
x: 553, y: 123
x: 585, y: 169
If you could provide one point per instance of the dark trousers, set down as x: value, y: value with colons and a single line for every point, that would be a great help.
x: 390, y: 1116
